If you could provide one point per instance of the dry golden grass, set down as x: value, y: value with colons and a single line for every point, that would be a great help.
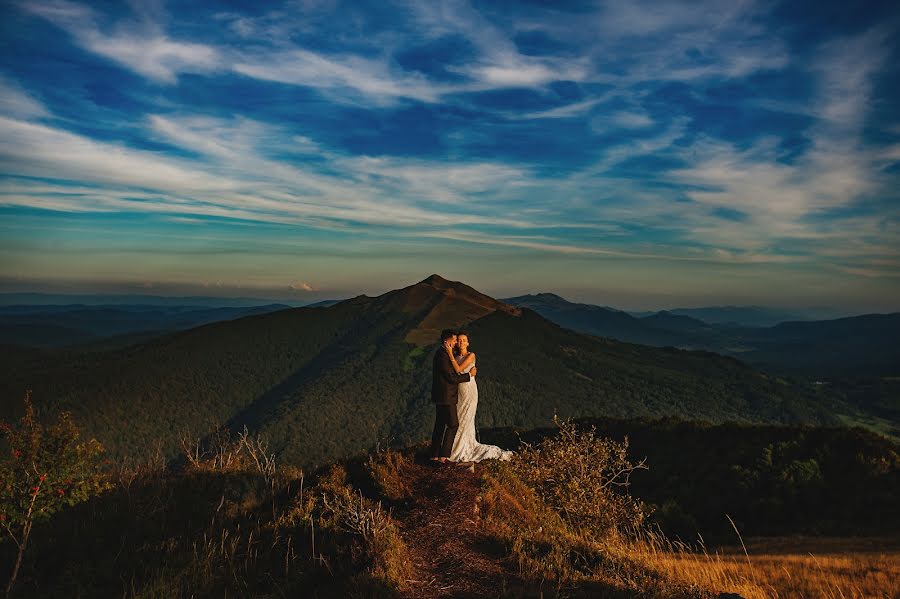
x: 783, y: 568
x: 385, y: 468
x: 548, y: 508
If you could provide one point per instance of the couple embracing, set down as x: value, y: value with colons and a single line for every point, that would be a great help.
x: 455, y: 397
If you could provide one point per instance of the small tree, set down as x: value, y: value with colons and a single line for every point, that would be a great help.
x: 577, y: 473
x: 44, y: 469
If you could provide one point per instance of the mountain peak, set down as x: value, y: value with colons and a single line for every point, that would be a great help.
x: 552, y: 297
x: 435, y: 279
x: 439, y: 282
x: 452, y: 304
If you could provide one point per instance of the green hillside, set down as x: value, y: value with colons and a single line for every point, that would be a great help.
x: 323, y: 383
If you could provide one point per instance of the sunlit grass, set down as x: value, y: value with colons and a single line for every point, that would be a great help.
x: 779, y: 568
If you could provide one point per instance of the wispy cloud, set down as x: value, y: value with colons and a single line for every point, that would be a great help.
x: 662, y: 131
x: 302, y: 286
x: 361, y: 76
x: 140, y: 46
x: 16, y: 103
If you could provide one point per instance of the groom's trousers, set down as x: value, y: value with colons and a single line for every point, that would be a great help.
x: 446, y: 422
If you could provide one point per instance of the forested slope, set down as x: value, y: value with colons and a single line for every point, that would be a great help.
x: 322, y: 383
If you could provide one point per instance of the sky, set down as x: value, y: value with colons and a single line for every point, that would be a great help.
x: 643, y: 155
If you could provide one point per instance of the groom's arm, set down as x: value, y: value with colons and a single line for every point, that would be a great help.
x: 449, y: 374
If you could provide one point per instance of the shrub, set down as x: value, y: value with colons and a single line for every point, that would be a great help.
x: 376, y: 547
x: 384, y: 467
x: 580, y: 475
x: 45, y: 469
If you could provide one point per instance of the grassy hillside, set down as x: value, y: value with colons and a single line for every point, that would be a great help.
x: 385, y: 524
x: 323, y: 383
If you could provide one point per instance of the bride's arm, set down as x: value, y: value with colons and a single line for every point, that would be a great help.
x: 456, y: 366
x: 465, y: 363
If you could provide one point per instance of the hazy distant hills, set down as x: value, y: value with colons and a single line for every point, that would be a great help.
x: 96, y: 299
x: 748, y: 316
x: 62, y: 325
x: 322, y: 383
x: 856, y: 345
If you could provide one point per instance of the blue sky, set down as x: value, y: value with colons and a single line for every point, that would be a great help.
x: 636, y: 154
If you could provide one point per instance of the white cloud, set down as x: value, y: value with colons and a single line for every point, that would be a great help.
x: 576, y: 109
x: 369, y: 77
x: 234, y: 179
x: 17, y: 103
x: 140, y: 46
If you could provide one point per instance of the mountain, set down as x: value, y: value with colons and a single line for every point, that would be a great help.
x: 595, y: 320
x: 748, y: 316
x: 323, y: 304
x: 61, y: 325
x: 855, y: 346
x: 323, y: 383
x: 90, y: 299
x: 852, y: 346
x: 669, y: 321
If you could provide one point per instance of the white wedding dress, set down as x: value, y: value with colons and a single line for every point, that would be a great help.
x: 466, y: 447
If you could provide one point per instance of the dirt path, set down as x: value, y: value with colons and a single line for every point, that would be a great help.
x: 450, y: 555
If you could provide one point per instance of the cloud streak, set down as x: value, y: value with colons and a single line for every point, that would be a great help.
x: 653, y: 132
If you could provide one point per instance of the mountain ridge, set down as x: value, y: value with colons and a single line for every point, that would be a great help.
x: 325, y: 382
x: 852, y: 345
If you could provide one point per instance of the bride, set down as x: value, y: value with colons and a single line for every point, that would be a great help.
x: 466, y: 447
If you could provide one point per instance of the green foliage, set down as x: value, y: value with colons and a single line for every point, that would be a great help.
x: 323, y: 384
x: 46, y: 468
x: 772, y: 480
x: 412, y: 357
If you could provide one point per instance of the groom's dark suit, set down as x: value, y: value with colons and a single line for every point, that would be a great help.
x: 444, y: 393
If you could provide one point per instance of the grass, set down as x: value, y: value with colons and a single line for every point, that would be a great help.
x: 569, y: 562
x: 535, y: 506
x: 228, y: 522
x: 782, y: 568
x: 554, y: 509
x: 410, y: 359
x: 882, y: 426
x: 233, y: 522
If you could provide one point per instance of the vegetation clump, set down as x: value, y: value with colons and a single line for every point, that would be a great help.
x: 577, y: 473
x: 45, y: 469
x: 385, y: 467
x: 559, y: 509
x: 371, y: 537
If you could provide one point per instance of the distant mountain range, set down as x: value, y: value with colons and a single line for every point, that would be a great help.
x: 109, y: 325
x: 323, y: 383
x: 89, y: 299
x: 749, y: 316
x: 856, y: 345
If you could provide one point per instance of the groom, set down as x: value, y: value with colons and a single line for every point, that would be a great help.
x: 444, y: 393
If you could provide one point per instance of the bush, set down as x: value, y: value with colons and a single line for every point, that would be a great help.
x: 223, y: 452
x: 579, y: 475
x: 45, y: 470
x: 384, y: 467
x: 377, y: 551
